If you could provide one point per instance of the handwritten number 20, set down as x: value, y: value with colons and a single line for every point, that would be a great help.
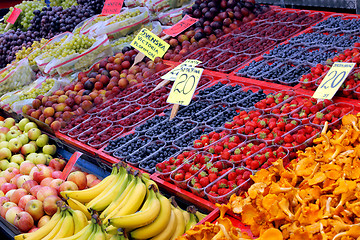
x: 333, y: 76
x: 188, y: 81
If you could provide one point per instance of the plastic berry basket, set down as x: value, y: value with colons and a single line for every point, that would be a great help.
x: 184, y: 140
x: 76, y: 131
x: 106, y: 150
x: 231, y: 43
x: 308, y: 142
x: 133, y: 120
x: 147, y: 159
x: 267, y: 161
x: 289, y: 93
x: 218, y: 60
x: 233, y: 63
x: 75, y: 122
x: 202, y: 115
x: 182, y: 184
x: 243, y: 186
x: 349, y: 109
x: 119, y: 152
x: 130, y: 159
x: 165, y: 136
x: 98, y: 128
x: 295, y: 109
x: 201, y: 191
x: 220, y: 84
x: 104, y: 138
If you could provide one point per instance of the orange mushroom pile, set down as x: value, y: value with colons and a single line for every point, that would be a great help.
x: 316, y: 197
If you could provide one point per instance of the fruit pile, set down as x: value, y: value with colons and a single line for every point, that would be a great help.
x: 129, y: 200
x: 108, y: 79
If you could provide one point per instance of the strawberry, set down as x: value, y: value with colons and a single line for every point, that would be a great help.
x: 198, y: 144
x: 218, y: 149
x: 213, y: 170
x: 232, y: 176
x: 204, y: 181
x: 223, y: 183
x: 235, y: 139
x: 300, y: 138
x: 254, y: 165
x: 214, y: 188
x: 218, y: 165
x: 288, y: 138
x: 188, y: 175
x: 224, y: 191
x: 212, y: 177
x: 197, y: 186
x: 202, y: 174
x: 179, y: 177
x: 205, y: 141
x: 193, y: 169
x: 160, y: 167
x: 229, y: 125
x: 225, y: 154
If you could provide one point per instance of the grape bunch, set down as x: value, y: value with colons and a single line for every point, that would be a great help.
x: 13, y: 41
x: 54, y: 20
x: 6, y: 72
x: 63, y: 3
x: 94, y: 5
x: 128, y: 38
x: 125, y: 16
x: 24, y: 52
x: 78, y: 44
x: 33, y: 93
x: 23, y: 21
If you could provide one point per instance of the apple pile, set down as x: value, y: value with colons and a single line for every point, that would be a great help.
x: 23, y: 141
x: 109, y: 77
x: 29, y: 194
x: 216, y: 18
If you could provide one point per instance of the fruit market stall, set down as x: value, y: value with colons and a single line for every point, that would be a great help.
x: 205, y: 119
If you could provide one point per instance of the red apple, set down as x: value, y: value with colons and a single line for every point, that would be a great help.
x: 94, y: 183
x: 2, y: 181
x: 29, y: 184
x: 35, y: 208
x: 17, y: 195
x: 38, y: 173
x: 5, y: 207
x: 90, y: 178
x: 57, y: 164
x: 56, y: 184
x: 68, y: 186
x: 43, y: 220
x: 46, y: 181
x: 79, y: 178
x: 21, y: 180
x: 34, y: 190
x: 24, y: 221
x: 25, y: 167
x: 10, y: 173
x: 49, y: 204
x: 24, y: 200
x: 45, y: 192
x: 10, y: 193
x: 33, y: 229
x: 3, y: 200
x: 7, y: 187
x: 15, y: 178
x: 11, y: 214
x: 56, y: 174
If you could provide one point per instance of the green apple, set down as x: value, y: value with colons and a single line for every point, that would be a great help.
x: 18, y: 158
x: 2, y: 174
x: 15, y: 165
x: 31, y: 157
x: 34, y: 133
x: 48, y: 158
x: 15, y: 145
x: 27, y: 149
x: 4, y: 164
x: 2, y: 137
x: 4, y: 144
x: 29, y: 126
x: 24, y: 138
x: 2, y: 123
x: 49, y: 149
x: 40, y: 159
x: 42, y: 140
x: 12, y: 134
x: 9, y: 122
x: 22, y: 123
x: 5, y: 153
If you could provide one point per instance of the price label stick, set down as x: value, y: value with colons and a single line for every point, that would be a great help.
x: 70, y: 164
x: 174, y: 111
x: 163, y: 83
x: 139, y: 57
x: 333, y: 80
x: 13, y: 17
x: 179, y: 27
x: 184, y: 88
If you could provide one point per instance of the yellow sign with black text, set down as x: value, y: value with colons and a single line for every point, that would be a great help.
x: 184, y: 86
x: 149, y: 44
x: 333, y: 80
x: 172, y: 75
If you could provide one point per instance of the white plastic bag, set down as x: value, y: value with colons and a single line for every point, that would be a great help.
x: 80, y: 62
x: 172, y: 16
x: 116, y: 29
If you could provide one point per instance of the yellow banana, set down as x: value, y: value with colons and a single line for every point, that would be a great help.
x: 200, y: 216
x: 86, y: 235
x: 169, y: 230
x: 105, y: 198
x: 44, y: 230
x: 147, y: 214
x: 127, y: 185
x: 158, y: 225
x: 95, y: 229
x: 180, y: 224
x: 80, y: 233
x: 80, y: 220
x: 99, y: 234
x: 111, y: 230
x: 85, y: 196
x: 192, y: 222
x: 67, y: 227
x: 186, y: 215
x: 56, y: 229
x: 76, y: 205
x: 123, y: 199
x: 135, y: 200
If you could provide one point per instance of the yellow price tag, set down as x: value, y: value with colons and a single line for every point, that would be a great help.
x: 150, y: 44
x: 172, y: 75
x: 185, y: 86
x: 333, y: 80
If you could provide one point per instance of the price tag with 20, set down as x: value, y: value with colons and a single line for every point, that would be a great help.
x: 333, y: 80
x: 185, y: 85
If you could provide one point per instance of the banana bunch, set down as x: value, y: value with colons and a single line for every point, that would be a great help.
x: 64, y: 224
x: 131, y: 204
